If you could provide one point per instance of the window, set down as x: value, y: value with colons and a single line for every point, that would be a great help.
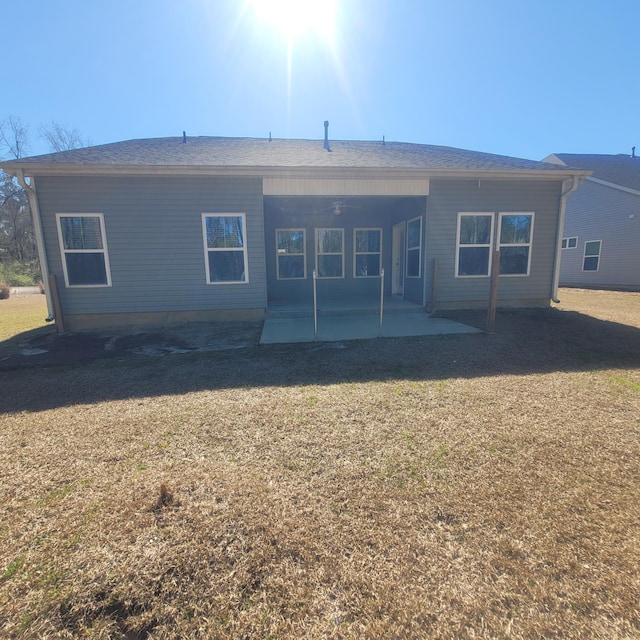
x: 330, y: 253
x: 367, y: 245
x: 591, y: 260
x: 570, y: 243
x: 290, y: 254
x: 414, y: 245
x: 225, y: 248
x: 475, y: 231
x: 83, y: 246
x: 516, y: 231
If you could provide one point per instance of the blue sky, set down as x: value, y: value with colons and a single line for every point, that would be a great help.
x: 514, y: 77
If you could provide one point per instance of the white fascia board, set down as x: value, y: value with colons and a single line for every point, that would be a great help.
x: 370, y: 173
x: 613, y: 185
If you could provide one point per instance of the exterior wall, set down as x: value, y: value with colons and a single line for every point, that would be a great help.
x: 307, y: 214
x: 155, y: 244
x: 449, y: 197
x: 597, y: 212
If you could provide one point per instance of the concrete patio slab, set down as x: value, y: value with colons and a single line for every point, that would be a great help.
x: 281, y: 330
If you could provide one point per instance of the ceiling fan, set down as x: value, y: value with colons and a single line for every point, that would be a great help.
x: 338, y: 207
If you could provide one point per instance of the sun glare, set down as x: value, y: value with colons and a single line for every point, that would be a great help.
x: 295, y: 18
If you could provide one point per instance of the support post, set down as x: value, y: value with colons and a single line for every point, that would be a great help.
x: 434, y: 286
x: 381, y: 300
x: 315, y: 306
x: 493, y: 292
x: 55, y: 298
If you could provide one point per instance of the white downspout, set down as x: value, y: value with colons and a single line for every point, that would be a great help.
x: 37, y: 224
x: 563, y: 208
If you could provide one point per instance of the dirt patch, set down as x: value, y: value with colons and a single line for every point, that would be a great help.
x: 49, y: 348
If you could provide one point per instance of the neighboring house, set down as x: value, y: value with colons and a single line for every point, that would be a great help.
x: 206, y: 228
x: 601, y: 241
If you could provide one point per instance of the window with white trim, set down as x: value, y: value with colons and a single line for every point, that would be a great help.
x: 414, y: 247
x: 367, y: 250
x: 225, y: 248
x: 514, y: 243
x: 83, y: 246
x: 570, y: 243
x: 473, y: 244
x: 591, y: 260
x: 330, y: 253
x: 291, y: 261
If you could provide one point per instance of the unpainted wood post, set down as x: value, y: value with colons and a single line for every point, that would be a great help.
x: 381, y: 301
x: 315, y: 306
x: 493, y: 292
x: 434, y: 286
x: 55, y: 298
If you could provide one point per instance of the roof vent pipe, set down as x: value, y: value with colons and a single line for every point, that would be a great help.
x: 184, y: 137
x: 633, y: 152
x: 326, y: 135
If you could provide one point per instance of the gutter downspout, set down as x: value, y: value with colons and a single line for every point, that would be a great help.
x: 37, y: 224
x: 563, y: 208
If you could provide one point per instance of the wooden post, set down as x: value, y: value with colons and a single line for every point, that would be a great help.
x: 493, y: 293
x: 55, y: 298
x: 434, y: 286
x: 381, y: 301
x: 315, y: 307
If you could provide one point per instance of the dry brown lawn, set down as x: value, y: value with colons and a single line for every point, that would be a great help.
x: 21, y: 313
x: 476, y: 486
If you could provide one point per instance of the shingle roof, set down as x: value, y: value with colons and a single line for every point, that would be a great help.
x: 205, y: 152
x: 618, y: 169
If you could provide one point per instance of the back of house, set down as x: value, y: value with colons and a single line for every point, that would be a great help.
x: 211, y: 228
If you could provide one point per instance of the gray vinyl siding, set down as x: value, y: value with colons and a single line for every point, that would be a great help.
x: 449, y: 197
x: 154, y: 238
x: 599, y: 212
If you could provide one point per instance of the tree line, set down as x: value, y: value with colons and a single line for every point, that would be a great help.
x: 18, y: 253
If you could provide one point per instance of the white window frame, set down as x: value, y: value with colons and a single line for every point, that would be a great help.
x: 592, y: 255
x: 417, y: 247
x: 64, y: 252
x: 319, y: 253
x: 461, y: 214
x: 357, y: 253
x: 303, y: 254
x: 566, y: 242
x: 208, y: 249
x: 529, y: 244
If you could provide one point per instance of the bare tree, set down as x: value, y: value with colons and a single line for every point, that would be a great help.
x: 14, y: 136
x: 16, y: 228
x: 17, y: 237
x: 61, y: 138
x: 17, y: 241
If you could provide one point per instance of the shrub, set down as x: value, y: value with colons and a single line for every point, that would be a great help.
x: 20, y: 274
x: 5, y: 291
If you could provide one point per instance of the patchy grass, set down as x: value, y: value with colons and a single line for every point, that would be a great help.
x: 452, y: 487
x: 605, y: 305
x: 22, y: 313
